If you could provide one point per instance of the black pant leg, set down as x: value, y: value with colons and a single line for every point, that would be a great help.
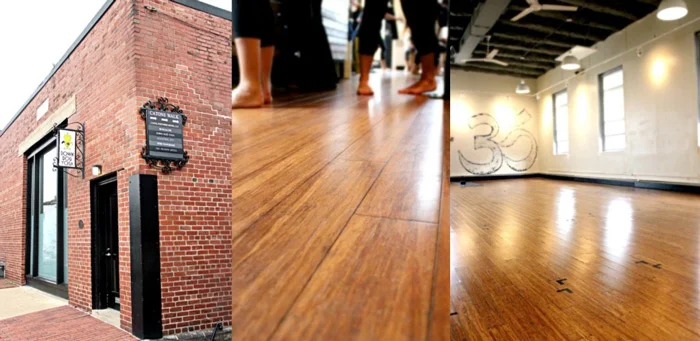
x: 371, y: 23
x: 253, y: 19
x: 246, y: 23
x: 267, y: 18
x: 421, y: 16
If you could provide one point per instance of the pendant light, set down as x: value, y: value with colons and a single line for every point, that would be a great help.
x: 570, y: 63
x: 672, y: 10
x: 522, y: 88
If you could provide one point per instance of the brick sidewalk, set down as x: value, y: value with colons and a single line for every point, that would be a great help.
x: 6, y: 283
x: 62, y: 323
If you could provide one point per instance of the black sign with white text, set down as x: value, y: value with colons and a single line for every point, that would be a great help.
x: 164, y: 134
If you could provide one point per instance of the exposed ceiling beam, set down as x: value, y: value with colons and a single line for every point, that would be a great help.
x: 485, y: 16
x: 494, y: 67
x: 546, y: 29
x: 539, y: 50
x: 460, y: 14
x: 528, y: 39
x: 600, y: 8
x: 541, y: 37
x: 517, y: 61
x: 573, y: 18
x: 520, y: 66
x: 504, y: 72
x: 530, y: 57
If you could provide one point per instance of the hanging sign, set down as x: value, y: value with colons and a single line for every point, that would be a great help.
x: 66, y: 148
x: 164, y: 135
x: 70, y: 144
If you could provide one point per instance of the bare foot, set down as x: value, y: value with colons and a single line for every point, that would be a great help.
x: 267, y: 93
x: 364, y: 90
x: 423, y: 85
x: 246, y: 97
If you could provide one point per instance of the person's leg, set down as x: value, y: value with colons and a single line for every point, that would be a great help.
x: 247, y: 34
x: 248, y: 93
x: 407, y: 60
x: 421, y: 16
x: 382, y: 53
x: 363, y: 88
x: 368, y: 34
x: 415, y: 62
x: 267, y: 52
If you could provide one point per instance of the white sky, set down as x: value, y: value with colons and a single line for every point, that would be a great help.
x: 34, y: 35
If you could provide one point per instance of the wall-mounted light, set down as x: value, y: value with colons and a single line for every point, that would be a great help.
x: 672, y: 10
x: 96, y: 170
x: 570, y: 63
x: 522, y: 88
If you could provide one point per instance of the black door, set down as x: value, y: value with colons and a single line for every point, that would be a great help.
x: 106, y: 245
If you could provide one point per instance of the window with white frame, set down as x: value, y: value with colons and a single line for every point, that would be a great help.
x: 612, y: 110
x: 561, y: 122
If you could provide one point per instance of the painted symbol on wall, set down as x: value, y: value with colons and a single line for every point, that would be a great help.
x: 496, y: 146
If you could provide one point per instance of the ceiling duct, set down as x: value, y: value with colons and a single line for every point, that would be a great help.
x: 485, y: 16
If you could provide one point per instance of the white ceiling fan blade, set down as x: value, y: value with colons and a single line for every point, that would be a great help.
x: 559, y: 8
x: 498, y: 62
x: 523, y: 13
x: 492, y: 54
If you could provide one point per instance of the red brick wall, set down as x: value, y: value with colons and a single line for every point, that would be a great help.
x: 130, y: 56
x: 185, y: 55
x: 101, y: 75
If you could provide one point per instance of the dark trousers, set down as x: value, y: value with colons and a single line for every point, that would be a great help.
x: 420, y: 17
x: 254, y: 19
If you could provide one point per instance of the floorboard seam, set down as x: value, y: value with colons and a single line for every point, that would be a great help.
x: 396, y: 219
x: 265, y: 140
x: 337, y: 157
x: 340, y: 233
x: 444, y: 189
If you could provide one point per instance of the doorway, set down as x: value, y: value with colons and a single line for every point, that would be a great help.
x: 105, y: 244
x: 46, y: 266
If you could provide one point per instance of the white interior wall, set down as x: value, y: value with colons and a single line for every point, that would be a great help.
x: 514, y: 148
x: 661, y: 105
x: 659, y: 60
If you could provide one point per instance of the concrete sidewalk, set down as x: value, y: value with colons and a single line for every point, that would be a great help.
x: 30, y: 314
x: 23, y: 300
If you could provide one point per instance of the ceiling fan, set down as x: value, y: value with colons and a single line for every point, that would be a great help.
x: 490, y: 56
x: 536, y: 7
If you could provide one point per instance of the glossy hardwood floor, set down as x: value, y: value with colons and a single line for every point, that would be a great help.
x: 630, y: 259
x: 336, y: 217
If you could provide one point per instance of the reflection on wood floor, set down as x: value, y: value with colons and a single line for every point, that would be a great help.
x: 336, y: 202
x: 628, y: 257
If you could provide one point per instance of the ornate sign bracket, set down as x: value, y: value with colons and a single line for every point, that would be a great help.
x: 164, y: 148
x: 73, y: 161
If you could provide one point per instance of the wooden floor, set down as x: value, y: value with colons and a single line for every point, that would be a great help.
x: 630, y: 259
x: 336, y: 203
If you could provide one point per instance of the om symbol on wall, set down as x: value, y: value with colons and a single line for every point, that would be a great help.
x: 496, y: 146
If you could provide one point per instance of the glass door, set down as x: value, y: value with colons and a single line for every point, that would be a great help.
x: 47, y: 251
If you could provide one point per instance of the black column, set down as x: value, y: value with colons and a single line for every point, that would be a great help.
x: 145, y: 257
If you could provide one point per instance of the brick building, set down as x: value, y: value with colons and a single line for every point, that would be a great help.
x: 107, y: 240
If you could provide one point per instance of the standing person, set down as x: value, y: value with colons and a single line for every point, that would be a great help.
x: 253, y: 30
x: 420, y: 16
x: 369, y: 34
